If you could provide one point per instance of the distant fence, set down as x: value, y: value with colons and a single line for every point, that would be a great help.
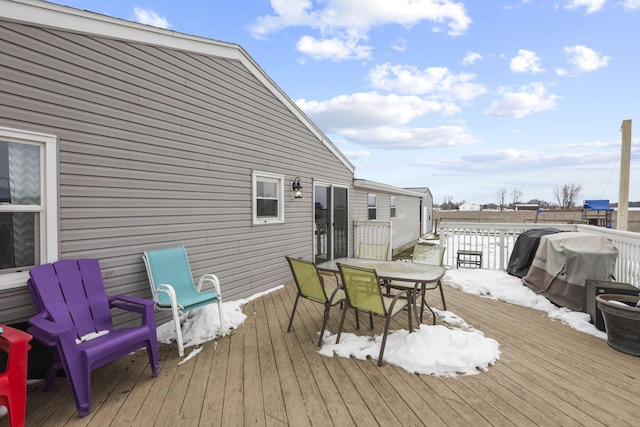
x: 496, y: 241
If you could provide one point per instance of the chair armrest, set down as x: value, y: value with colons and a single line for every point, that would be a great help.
x: 135, y: 304
x: 49, y: 332
x: 398, y: 296
x: 212, y: 278
x: 169, y: 290
x: 335, y: 291
x: 166, y: 289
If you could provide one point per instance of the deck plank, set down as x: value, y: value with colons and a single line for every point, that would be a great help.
x: 548, y: 374
x: 232, y: 411
x: 131, y: 379
x: 273, y: 402
x: 318, y: 414
x: 253, y: 404
x: 296, y: 413
x: 131, y: 409
x: 216, y: 388
x: 194, y: 394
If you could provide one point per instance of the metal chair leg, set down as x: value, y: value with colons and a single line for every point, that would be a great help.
x: 295, y: 305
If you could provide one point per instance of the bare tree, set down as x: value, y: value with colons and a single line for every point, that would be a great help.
x: 447, y: 202
x: 567, y: 195
x: 515, y: 196
x: 501, y: 196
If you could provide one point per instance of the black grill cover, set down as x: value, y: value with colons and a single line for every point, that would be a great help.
x: 525, y: 249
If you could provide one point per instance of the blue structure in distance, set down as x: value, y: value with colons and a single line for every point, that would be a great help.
x: 597, y: 212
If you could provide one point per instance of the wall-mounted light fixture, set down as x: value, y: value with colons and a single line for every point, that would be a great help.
x: 296, y: 187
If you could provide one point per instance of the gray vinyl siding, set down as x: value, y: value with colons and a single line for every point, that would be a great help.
x: 406, y: 224
x: 156, y: 149
x: 358, y: 204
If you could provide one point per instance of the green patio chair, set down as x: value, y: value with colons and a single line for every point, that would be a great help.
x: 311, y: 286
x: 173, y: 287
x: 430, y: 254
x: 363, y: 292
x: 424, y: 254
x: 373, y: 251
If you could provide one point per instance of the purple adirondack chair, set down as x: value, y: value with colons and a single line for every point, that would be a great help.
x: 75, y: 318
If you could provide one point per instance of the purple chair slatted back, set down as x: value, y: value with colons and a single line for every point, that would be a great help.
x: 45, y: 284
x: 96, y: 293
x: 72, y: 293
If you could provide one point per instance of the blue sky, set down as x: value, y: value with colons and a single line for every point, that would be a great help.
x: 465, y: 97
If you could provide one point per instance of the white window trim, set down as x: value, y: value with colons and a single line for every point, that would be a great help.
x: 255, y: 175
x: 370, y: 208
x: 393, y: 208
x: 49, y: 185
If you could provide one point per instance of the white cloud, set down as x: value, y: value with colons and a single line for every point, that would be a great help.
x: 375, y: 120
x: 287, y: 14
x: 561, y: 72
x: 369, y: 110
x: 525, y: 62
x: 529, y: 99
x: 150, y: 17
x: 351, y: 20
x: 437, y: 82
x: 508, y: 160
x: 591, y: 6
x: 631, y: 4
x: 411, y: 138
x: 334, y: 48
x: 584, y: 58
x: 471, y: 57
x: 529, y: 159
x: 588, y: 145
x: 355, y: 155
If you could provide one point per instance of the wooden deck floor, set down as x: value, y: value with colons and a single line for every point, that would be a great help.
x: 548, y: 375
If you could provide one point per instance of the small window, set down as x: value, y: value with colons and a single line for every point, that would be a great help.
x: 268, y: 191
x: 28, y: 204
x: 372, y: 206
x: 392, y: 204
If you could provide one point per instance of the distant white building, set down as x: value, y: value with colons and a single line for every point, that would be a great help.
x: 526, y: 207
x: 467, y: 206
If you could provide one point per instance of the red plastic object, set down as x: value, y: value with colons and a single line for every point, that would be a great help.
x: 13, y: 382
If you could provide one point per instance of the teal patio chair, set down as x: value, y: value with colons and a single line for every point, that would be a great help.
x: 173, y: 287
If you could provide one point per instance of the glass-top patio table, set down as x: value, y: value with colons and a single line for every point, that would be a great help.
x: 390, y: 271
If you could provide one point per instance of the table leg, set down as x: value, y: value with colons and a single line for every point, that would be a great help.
x: 414, y: 303
x: 425, y: 304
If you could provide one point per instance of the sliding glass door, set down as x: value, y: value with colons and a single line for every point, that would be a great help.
x: 331, y: 222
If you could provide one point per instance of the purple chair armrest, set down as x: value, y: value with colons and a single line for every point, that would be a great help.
x: 142, y: 306
x: 49, y: 332
x: 135, y: 303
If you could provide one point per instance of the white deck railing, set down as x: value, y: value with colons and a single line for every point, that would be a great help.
x: 375, y: 232
x: 496, y: 242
